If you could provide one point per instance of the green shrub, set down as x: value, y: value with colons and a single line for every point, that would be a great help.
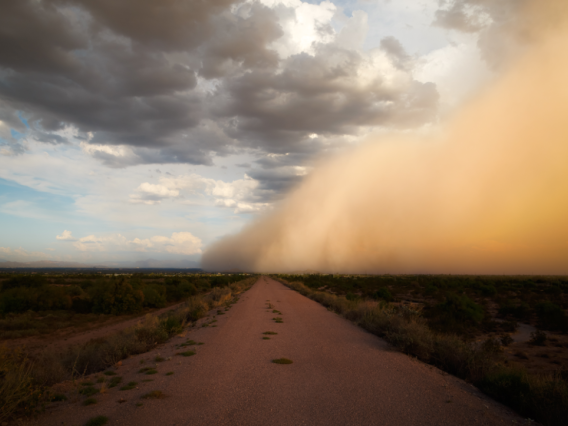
x: 153, y: 297
x: 384, y: 294
x: 117, y: 296
x: 520, y: 311
x: 455, y: 314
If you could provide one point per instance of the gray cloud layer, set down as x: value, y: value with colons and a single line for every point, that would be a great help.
x: 181, y: 81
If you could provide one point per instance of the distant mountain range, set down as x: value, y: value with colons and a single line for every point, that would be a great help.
x: 148, y: 263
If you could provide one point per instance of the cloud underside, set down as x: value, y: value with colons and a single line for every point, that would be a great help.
x: 180, y: 82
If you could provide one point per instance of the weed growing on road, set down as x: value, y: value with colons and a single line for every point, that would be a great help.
x: 282, y: 361
x: 114, y: 381
x: 89, y: 401
x: 278, y: 320
x: 154, y: 395
x: 88, y: 391
x: 269, y: 332
x: 187, y: 353
x: 129, y: 386
x: 169, y: 373
x: 266, y: 338
x: 97, y: 421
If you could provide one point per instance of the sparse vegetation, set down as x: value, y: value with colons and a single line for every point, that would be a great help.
x: 266, y: 338
x: 187, y: 353
x: 114, y: 381
x: 129, y: 386
x: 89, y: 401
x: 88, y: 391
x: 169, y: 373
x: 269, y: 332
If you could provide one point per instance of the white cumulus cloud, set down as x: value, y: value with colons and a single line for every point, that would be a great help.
x: 65, y: 236
x: 238, y: 194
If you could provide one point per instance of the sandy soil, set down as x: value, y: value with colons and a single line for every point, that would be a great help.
x: 341, y: 375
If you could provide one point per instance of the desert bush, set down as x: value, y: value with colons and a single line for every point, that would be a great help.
x: 384, y: 294
x: 19, y: 393
x: 544, y: 398
x: 551, y: 316
x: 196, y: 308
x: 519, y: 311
x: 218, y: 296
x: 455, y: 313
x: 154, y: 296
x: 117, y: 296
x: 538, y: 338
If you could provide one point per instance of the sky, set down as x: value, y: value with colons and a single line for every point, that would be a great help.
x: 152, y: 129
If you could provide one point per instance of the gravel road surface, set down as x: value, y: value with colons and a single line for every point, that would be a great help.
x: 341, y: 375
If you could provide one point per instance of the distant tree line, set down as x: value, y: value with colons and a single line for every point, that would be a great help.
x: 101, y: 294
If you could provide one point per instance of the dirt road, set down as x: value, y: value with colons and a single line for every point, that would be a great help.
x: 341, y: 375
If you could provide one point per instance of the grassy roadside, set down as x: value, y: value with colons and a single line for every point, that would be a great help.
x: 542, y: 398
x: 25, y: 379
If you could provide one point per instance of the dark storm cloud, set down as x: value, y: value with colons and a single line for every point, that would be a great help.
x: 318, y: 94
x: 180, y: 81
x: 103, y: 67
